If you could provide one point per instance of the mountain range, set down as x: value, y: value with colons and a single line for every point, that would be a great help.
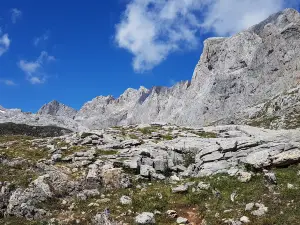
x: 249, y: 78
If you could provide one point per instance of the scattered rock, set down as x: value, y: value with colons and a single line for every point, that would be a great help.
x: 180, y: 189
x: 181, y: 220
x: 145, y: 218
x: 244, y: 176
x: 125, y: 200
x: 245, y: 219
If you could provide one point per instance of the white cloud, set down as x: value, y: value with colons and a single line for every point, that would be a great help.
x: 34, y: 70
x: 8, y: 82
x: 4, y: 44
x: 153, y: 29
x: 15, y: 15
x: 42, y: 38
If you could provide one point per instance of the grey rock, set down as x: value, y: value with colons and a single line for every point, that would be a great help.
x: 125, y: 200
x: 180, y: 189
x: 249, y: 206
x: 203, y: 186
x: 270, y: 177
x: 182, y: 220
x: 146, y: 170
x: 102, y: 219
x: 260, y: 211
x: 145, y: 218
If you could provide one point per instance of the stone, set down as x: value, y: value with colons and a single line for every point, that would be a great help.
x: 102, y: 219
x: 180, y: 189
x: 172, y: 214
x: 286, y: 158
x: 260, y: 211
x: 115, y: 178
x: 125, y: 200
x: 182, y: 220
x: 160, y: 165
x: 245, y: 219
x: 146, y: 170
x: 145, y: 218
x: 270, y: 177
x: 203, y: 186
x: 244, y: 177
x: 249, y: 206
x: 56, y: 157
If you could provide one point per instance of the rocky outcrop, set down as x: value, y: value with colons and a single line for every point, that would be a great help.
x: 55, y: 108
x: 233, y: 74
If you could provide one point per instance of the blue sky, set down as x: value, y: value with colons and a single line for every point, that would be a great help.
x: 75, y: 52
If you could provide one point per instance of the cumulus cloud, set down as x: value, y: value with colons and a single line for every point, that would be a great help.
x: 34, y: 70
x: 15, y: 15
x: 153, y: 29
x: 4, y: 44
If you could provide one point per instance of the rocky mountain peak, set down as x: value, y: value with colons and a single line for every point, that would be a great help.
x: 55, y: 108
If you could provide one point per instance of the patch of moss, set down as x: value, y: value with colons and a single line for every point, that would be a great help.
x: 101, y: 152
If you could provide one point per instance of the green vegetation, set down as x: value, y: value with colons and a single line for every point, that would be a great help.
x: 264, y: 122
x: 204, y: 134
x: 20, y: 175
x: 133, y: 136
x: 72, y: 150
x: 167, y: 137
x: 5, y: 138
x: 22, y: 148
x: 101, y: 152
x: 189, y: 158
x: 15, y: 221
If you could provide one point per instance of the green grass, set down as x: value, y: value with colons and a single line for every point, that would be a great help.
x: 101, y: 152
x: 19, y: 221
x: 72, y: 150
x: 133, y: 136
x: 19, y: 175
x: 23, y: 148
x: 4, y: 139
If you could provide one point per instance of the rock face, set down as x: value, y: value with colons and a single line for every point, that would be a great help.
x: 237, y: 80
x: 54, y: 108
x: 233, y: 74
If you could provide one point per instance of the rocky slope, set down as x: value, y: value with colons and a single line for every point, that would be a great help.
x: 152, y: 174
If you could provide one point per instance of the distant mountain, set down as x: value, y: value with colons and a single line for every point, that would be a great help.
x: 55, y: 108
x: 239, y: 79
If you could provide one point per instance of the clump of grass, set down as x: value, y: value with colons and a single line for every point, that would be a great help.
x: 189, y: 158
x: 264, y: 122
x: 167, y: 137
x: 133, y: 136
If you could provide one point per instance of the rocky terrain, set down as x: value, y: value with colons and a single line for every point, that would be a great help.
x: 152, y: 174
x: 163, y: 155
x: 235, y: 81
